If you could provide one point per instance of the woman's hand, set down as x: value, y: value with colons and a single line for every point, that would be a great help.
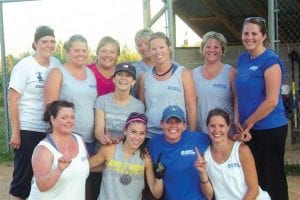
x: 63, y: 163
x: 200, y: 163
x: 15, y: 140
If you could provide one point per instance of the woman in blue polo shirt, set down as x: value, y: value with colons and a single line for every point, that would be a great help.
x: 260, y: 76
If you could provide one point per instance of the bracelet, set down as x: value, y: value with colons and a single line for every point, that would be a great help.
x: 57, y: 169
x: 234, y: 136
x: 203, y: 182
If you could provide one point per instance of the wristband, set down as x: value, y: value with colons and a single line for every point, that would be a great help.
x: 203, y: 182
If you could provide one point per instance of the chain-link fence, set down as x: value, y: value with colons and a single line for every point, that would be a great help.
x: 289, y: 37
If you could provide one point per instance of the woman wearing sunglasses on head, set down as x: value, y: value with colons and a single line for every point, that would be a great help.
x: 260, y: 76
x: 126, y: 164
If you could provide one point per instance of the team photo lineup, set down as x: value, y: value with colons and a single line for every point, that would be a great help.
x: 150, y: 129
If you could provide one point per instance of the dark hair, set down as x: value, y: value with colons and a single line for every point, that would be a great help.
x: 42, y: 31
x: 218, y: 112
x: 140, y: 118
x: 261, y: 23
x: 53, y: 108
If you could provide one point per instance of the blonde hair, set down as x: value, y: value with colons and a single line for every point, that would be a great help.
x: 213, y: 35
x: 108, y: 40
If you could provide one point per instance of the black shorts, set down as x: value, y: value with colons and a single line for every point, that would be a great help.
x: 22, y: 174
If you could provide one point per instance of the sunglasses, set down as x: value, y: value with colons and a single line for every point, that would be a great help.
x: 255, y: 19
x: 135, y: 116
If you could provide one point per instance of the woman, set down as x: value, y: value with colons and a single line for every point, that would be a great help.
x: 229, y: 169
x: 107, y: 53
x: 166, y: 84
x: 26, y: 108
x: 60, y: 162
x: 76, y: 83
x: 260, y: 76
x: 112, y: 110
x: 126, y: 164
x: 174, y: 149
x: 214, y: 80
x: 142, y: 46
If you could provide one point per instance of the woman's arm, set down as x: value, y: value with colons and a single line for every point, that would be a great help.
x: 236, y: 119
x: 248, y: 165
x: 13, y: 109
x: 190, y: 99
x: 52, y: 86
x: 141, y: 89
x: 99, y: 124
x: 103, y: 154
x: 205, y: 185
x: 45, y: 176
x: 155, y: 185
x: 272, y: 77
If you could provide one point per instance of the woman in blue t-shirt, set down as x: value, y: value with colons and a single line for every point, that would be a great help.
x: 260, y: 76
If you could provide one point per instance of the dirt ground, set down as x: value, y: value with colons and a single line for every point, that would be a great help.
x: 6, y: 173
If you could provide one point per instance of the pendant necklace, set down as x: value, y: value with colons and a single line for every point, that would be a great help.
x: 125, y: 178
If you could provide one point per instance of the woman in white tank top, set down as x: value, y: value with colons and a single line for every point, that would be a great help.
x: 227, y: 170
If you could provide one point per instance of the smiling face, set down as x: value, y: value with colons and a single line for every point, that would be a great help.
x: 173, y: 129
x: 160, y: 51
x: 45, y: 46
x: 142, y: 46
x: 108, y: 56
x: 217, y: 129
x: 252, y: 37
x: 64, y: 122
x: 212, y: 50
x: 78, y: 53
x: 123, y: 80
x: 135, y: 134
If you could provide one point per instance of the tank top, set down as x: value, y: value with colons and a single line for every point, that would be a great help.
x: 161, y: 94
x: 122, y: 178
x: 213, y: 93
x: 83, y: 94
x: 228, y: 178
x: 71, y: 183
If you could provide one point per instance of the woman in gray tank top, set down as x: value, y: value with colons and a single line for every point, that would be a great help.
x: 166, y: 84
x: 214, y: 80
x: 126, y: 164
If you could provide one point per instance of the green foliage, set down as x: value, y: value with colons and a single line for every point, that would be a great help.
x: 292, y: 169
x: 128, y: 56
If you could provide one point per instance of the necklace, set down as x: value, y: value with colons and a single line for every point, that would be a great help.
x: 154, y: 70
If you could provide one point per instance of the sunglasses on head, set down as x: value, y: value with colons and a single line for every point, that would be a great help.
x: 255, y: 19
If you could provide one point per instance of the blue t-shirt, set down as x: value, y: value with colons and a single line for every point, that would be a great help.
x: 251, y: 89
x: 181, y: 179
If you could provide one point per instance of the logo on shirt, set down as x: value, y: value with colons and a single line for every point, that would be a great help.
x: 253, y: 68
x: 219, y: 85
x: 174, y: 88
x: 93, y: 86
x: 233, y: 165
x: 39, y: 77
x: 190, y: 152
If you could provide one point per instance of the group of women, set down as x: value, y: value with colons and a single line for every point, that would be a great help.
x: 248, y: 103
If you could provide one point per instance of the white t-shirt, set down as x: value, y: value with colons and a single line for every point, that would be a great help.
x: 28, y: 78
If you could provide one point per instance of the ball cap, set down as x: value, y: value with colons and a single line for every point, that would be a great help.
x: 127, y: 67
x: 171, y: 112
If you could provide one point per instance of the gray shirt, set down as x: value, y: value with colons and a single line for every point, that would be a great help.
x: 82, y: 94
x: 116, y: 115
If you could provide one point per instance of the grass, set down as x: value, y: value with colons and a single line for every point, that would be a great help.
x: 292, y: 169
